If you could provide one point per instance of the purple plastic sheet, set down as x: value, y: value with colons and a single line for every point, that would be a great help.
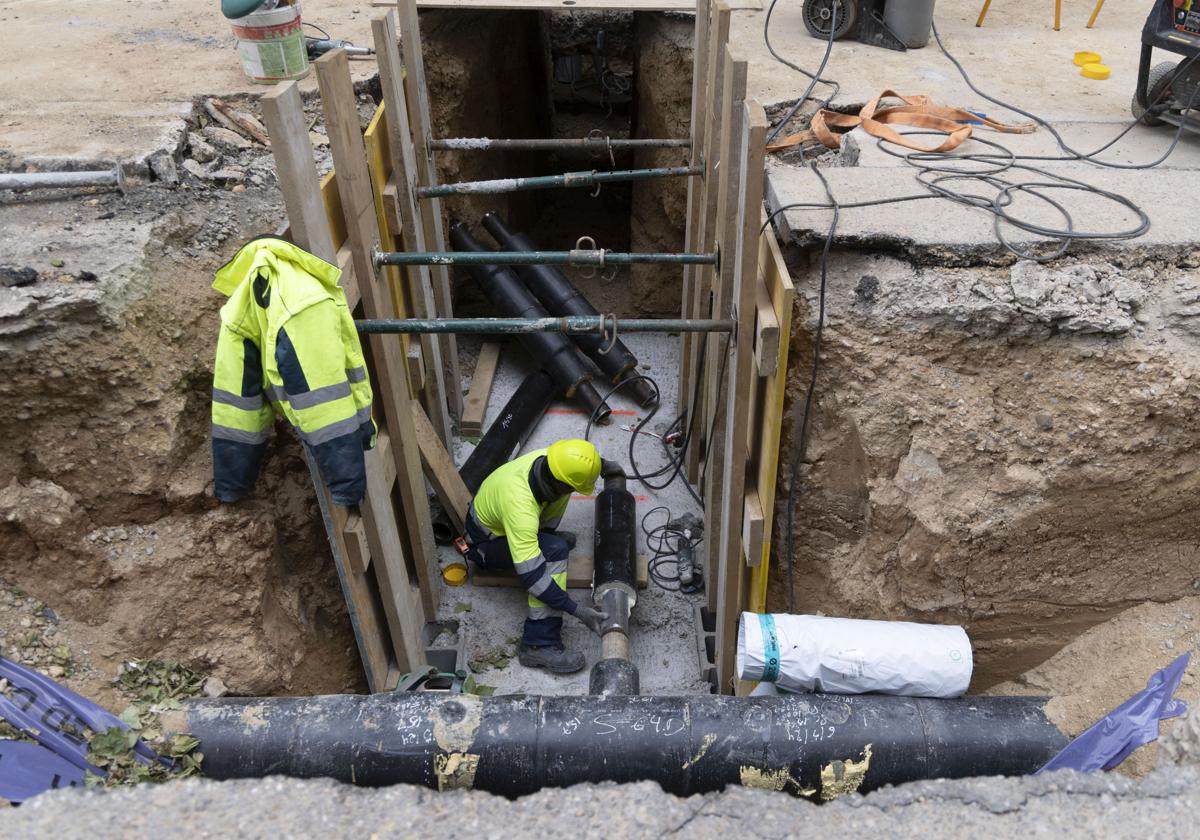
x: 29, y: 769
x: 57, y: 718
x: 1107, y: 743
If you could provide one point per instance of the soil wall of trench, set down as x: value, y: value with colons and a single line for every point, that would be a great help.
x: 1013, y: 448
x: 106, y: 507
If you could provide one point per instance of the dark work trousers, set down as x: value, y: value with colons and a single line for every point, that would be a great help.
x: 543, y: 626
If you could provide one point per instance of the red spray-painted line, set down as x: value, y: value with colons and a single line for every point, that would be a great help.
x: 620, y: 412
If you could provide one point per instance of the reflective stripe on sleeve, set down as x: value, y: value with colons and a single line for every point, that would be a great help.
x: 358, y: 374
x: 524, y: 567
x: 317, y: 396
x: 542, y: 612
x: 540, y: 585
x: 335, y: 430
x: 253, y: 403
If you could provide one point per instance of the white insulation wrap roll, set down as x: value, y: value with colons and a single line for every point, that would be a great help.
x: 852, y: 656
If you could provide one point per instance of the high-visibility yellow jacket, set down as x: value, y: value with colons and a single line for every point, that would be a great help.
x: 288, y: 347
x: 506, y: 506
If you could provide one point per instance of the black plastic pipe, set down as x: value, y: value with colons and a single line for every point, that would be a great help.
x: 554, y: 352
x: 614, y: 583
x: 560, y: 297
x: 512, y: 426
x: 615, y: 555
x: 813, y: 744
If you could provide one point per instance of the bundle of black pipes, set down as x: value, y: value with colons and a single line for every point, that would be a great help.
x: 513, y: 425
x: 814, y: 744
x: 560, y: 297
x: 614, y: 583
x: 553, y: 351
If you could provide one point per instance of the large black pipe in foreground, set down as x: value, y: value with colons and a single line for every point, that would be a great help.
x: 805, y: 744
x: 560, y: 297
x: 554, y: 352
x: 510, y: 428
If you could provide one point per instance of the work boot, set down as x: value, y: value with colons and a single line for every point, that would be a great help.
x: 556, y: 659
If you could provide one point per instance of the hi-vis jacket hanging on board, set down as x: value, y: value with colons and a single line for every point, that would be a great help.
x: 288, y: 346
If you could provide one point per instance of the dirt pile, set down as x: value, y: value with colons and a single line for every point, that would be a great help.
x: 1111, y: 662
x: 1011, y: 448
x: 106, y: 512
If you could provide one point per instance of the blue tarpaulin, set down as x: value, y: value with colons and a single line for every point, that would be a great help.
x: 60, y: 721
x: 1105, y: 744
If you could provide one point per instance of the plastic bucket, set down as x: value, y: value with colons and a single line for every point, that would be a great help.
x: 910, y: 21
x: 271, y: 45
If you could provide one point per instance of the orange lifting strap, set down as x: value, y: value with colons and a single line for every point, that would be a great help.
x: 918, y: 111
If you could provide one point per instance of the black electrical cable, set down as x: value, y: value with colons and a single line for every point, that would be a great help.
x: 936, y: 171
x: 673, y: 466
x: 663, y: 552
x: 1073, y: 154
x: 815, y: 77
x: 801, y: 445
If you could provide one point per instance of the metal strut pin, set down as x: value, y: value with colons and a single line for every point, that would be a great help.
x: 612, y: 341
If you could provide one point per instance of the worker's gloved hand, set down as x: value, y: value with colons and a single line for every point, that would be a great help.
x: 591, y: 617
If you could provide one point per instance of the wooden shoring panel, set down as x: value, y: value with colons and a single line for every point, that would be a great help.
x: 706, y: 230
x: 310, y: 228
x: 442, y: 393
x: 695, y: 196
x: 375, y: 138
x: 423, y: 173
x: 773, y: 273
x: 734, y: 574
x: 718, y: 375
x: 358, y: 206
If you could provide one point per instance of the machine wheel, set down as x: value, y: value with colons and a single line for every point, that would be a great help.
x: 1156, y: 91
x: 819, y: 17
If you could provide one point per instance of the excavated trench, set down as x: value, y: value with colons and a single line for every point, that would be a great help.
x: 1011, y: 447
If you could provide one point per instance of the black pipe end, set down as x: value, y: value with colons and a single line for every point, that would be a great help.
x: 614, y: 676
x: 644, y: 393
x: 443, y: 530
x: 590, y: 399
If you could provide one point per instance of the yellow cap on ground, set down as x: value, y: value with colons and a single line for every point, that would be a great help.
x: 454, y: 573
x: 1095, y: 71
x: 1085, y: 57
x: 575, y: 462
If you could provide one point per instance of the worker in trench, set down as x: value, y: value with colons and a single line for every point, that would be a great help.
x: 512, y: 524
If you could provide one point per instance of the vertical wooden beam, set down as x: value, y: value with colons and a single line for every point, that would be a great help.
x: 391, y: 79
x: 717, y: 373
x: 734, y: 579
x: 695, y: 194
x: 354, y: 187
x: 702, y: 276
x: 425, y: 173
x: 296, y: 170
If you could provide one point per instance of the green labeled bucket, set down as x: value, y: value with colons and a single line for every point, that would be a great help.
x: 271, y: 45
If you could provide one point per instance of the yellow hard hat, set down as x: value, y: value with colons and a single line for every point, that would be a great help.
x: 575, y: 462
